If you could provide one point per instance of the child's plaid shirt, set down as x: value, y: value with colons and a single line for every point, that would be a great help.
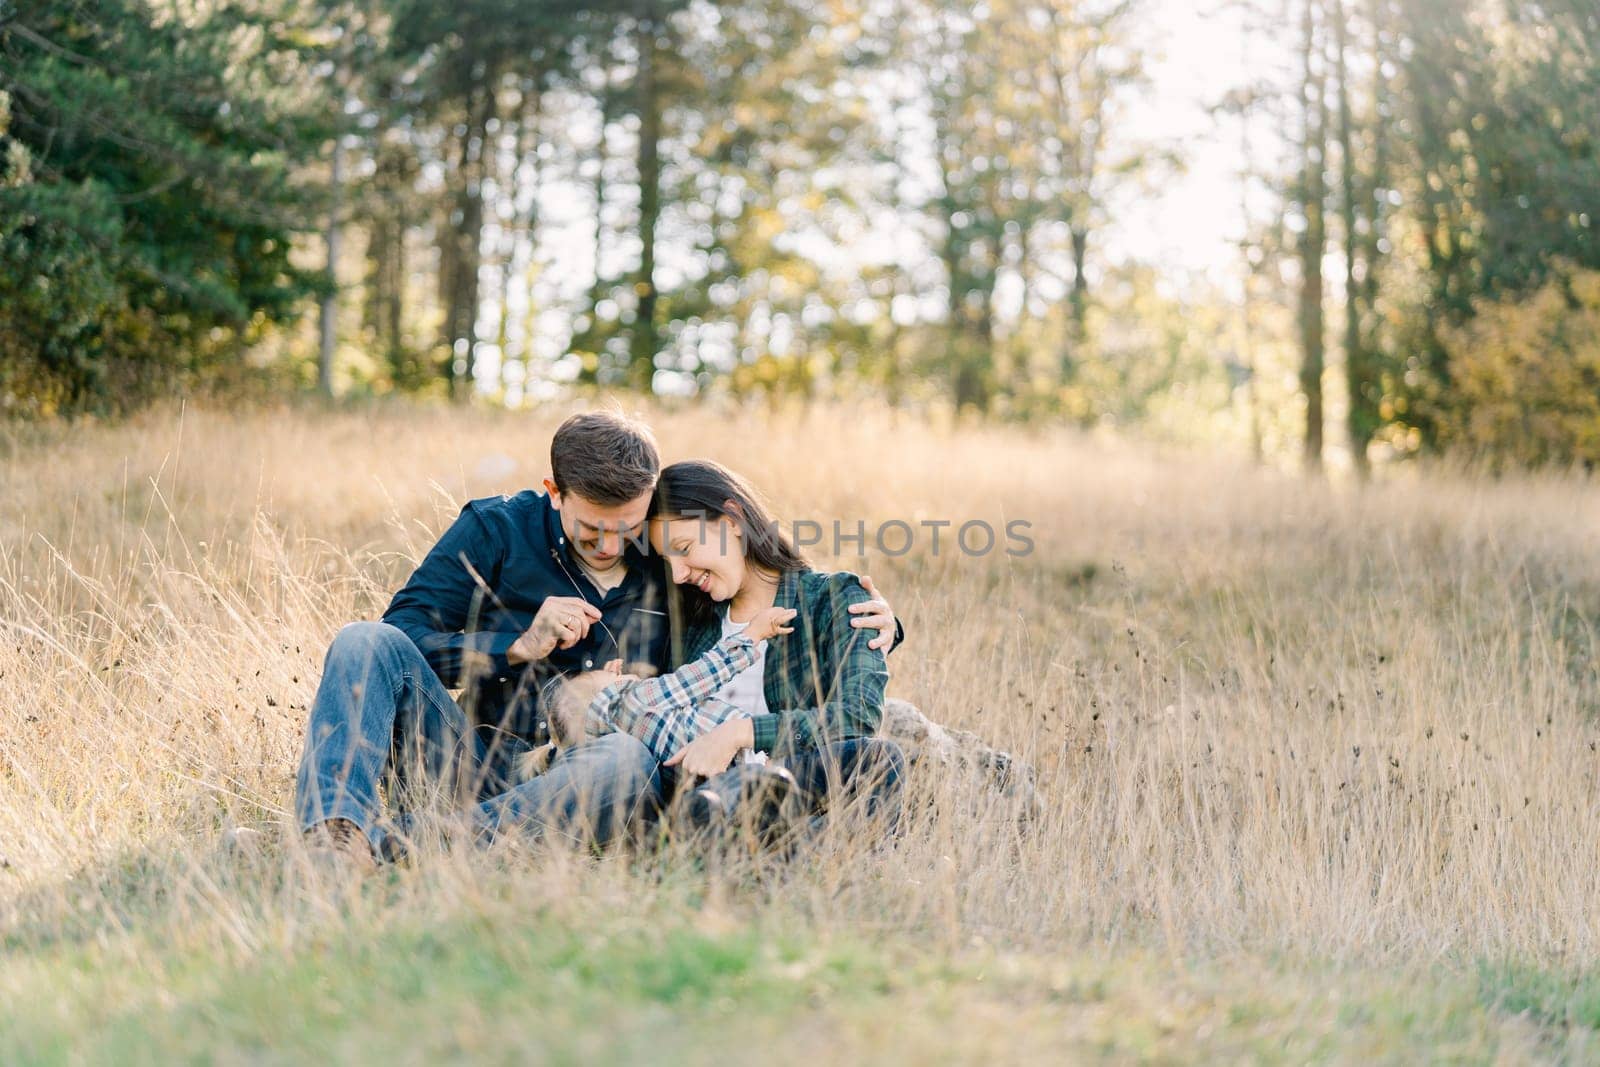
x: 669, y: 711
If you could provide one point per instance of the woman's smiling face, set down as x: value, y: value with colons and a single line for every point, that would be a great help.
x: 705, y: 553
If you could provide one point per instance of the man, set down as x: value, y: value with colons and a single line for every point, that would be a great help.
x: 518, y: 589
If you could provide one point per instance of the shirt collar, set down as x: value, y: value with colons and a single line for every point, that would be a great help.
x: 786, y: 596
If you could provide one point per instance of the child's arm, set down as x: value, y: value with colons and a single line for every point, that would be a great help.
x: 665, y: 712
x: 691, y: 682
x: 665, y: 733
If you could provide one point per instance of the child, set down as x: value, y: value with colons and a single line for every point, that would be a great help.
x: 666, y: 713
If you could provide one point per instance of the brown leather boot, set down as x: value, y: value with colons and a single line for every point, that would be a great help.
x: 338, y: 848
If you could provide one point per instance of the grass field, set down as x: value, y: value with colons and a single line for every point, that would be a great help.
x: 1319, y: 762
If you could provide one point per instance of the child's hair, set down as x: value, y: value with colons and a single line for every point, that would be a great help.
x: 565, y: 702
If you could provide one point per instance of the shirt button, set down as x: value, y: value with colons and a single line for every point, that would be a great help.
x: 588, y: 663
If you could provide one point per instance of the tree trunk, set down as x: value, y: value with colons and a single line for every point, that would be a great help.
x: 1021, y: 380
x: 506, y: 187
x: 1252, y: 385
x: 1365, y: 406
x: 589, y: 338
x: 1313, y: 242
x: 1078, y: 238
x: 533, y: 112
x: 966, y: 383
x: 1357, y: 374
x: 330, y: 303
x: 386, y: 273
x: 465, y: 232
x: 645, y: 342
x: 400, y: 362
x: 892, y: 372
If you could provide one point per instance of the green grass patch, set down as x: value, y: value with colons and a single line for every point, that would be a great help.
x: 675, y: 980
x: 1564, y: 1005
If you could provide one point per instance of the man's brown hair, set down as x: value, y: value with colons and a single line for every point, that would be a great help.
x: 604, y: 457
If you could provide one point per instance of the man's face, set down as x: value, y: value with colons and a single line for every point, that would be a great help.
x: 598, y: 532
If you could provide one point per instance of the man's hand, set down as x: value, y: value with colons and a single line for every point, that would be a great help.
x: 874, y: 614
x: 713, y: 751
x: 562, y: 622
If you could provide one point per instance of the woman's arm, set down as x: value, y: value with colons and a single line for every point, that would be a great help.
x: 844, y: 676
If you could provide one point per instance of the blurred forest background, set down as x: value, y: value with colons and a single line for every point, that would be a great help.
x: 916, y: 201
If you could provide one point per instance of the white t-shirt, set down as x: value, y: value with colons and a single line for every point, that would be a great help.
x: 744, y: 691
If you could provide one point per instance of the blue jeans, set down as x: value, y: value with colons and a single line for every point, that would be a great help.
x: 382, y: 715
x: 868, y: 770
x: 871, y: 769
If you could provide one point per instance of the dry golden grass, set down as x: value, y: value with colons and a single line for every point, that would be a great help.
x: 1273, y: 718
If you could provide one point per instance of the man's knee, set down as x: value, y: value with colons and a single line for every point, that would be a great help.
x: 361, y: 642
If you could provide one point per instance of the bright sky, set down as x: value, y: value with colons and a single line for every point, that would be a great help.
x: 1190, y: 222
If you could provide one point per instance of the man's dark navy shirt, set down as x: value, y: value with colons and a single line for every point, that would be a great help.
x: 479, y: 588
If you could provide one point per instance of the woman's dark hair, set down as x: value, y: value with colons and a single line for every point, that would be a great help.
x: 701, y: 489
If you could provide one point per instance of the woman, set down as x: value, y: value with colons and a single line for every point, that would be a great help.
x: 813, y: 698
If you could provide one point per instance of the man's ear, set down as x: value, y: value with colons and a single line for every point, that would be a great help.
x: 553, y: 493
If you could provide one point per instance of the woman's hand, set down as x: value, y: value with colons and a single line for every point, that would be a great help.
x: 713, y: 751
x: 874, y: 614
